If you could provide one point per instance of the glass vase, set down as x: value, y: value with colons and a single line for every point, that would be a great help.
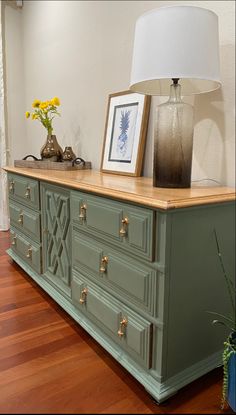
x: 51, y: 150
x: 173, y: 142
x: 68, y: 154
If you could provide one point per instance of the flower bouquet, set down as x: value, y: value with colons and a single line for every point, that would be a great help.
x: 45, y: 112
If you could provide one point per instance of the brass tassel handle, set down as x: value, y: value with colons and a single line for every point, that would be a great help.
x: 20, y: 220
x: 103, y: 266
x: 82, y: 214
x: 123, y: 325
x: 84, y: 293
x: 124, y: 227
x: 13, y: 240
x: 27, y: 193
x: 29, y: 253
x: 11, y: 186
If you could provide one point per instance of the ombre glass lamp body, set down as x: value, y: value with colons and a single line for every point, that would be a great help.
x: 175, y: 43
x: 173, y: 142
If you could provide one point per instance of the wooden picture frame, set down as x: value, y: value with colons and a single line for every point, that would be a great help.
x: 125, y: 133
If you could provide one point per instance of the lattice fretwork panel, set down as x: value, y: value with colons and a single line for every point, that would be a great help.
x: 57, y: 222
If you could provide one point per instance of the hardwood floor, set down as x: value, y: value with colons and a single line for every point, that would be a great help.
x: 49, y: 364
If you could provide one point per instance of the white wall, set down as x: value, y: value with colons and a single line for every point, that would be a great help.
x: 15, y: 91
x: 81, y: 51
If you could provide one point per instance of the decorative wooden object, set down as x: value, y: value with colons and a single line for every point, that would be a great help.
x: 52, y: 165
x: 136, y: 190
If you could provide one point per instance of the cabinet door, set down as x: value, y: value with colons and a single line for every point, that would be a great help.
x: 56, y: 236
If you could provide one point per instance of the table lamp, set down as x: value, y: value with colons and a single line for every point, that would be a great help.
x: 176, y: 52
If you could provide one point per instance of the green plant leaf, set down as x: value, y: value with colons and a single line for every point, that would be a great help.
x: 221, y: 315
x: 222, y: 323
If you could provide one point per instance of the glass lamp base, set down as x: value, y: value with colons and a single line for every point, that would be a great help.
x: 173, y: 142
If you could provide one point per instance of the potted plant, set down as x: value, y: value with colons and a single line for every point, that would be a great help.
x: 229, y: 351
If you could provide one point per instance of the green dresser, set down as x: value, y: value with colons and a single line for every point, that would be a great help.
x: 135, y: 266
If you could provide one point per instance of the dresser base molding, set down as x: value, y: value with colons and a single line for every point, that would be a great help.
x: 173, y: 384
x: 160, y: 391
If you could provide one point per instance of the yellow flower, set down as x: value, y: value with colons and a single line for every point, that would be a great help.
x: 36, y: 103
x: 43, y: 105
x: 55, y: 101
x: 44, y: 111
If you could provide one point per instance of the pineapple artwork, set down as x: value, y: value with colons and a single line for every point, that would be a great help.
x: 125, y: 133
x: 123, y: 138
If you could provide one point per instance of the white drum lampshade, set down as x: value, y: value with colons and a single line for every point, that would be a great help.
x: 179, y: 43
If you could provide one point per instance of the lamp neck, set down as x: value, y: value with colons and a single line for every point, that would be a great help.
x: 175, y: 92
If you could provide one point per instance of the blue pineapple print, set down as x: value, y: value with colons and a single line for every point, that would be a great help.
x: 123, y: 138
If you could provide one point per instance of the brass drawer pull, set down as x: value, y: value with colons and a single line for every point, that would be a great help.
x: 123, y: 325
x: 20, y: 220
x: 27, y: 193
x: 84, y: 293
x: 104, y: 262
x: 29, y: 253
x: 14, y: 240
x: 11, y: 186
x: 82, y: 214
x: 124, y: 227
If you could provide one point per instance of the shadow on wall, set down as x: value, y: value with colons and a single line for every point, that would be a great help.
x: 209, y: 151
x: 210, y: 106
x: 214, y: 121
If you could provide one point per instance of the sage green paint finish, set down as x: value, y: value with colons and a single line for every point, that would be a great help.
x: 169, y: 340
x: 27, y: 220
x: 20, y: 186
x: 108, y: 313
x: 133, y: 281
x: 196, y: 283
x: 56, y: 236
x: 159, y: 389
x: 22, y: 244
x: 104, y: 219
x: 100, y: 217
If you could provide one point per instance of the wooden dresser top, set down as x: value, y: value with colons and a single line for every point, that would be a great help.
x: 133, y: 189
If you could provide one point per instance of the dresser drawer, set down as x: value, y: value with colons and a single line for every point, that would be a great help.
x: 132, y: 332
x: 24, y: 190
x: 128, y: 226
x: 27, y: 220
x: 132, y: 280
x: 28, y: 250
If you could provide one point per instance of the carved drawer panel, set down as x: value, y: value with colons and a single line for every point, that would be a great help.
x: 24, y: 190
x: 132, y: 280
x: 28, y: 250
x: 132, y: 332
x: 131, y: 227
x: 27, y: 220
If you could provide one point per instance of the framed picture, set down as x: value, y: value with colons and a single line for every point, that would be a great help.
x: 125, y: 133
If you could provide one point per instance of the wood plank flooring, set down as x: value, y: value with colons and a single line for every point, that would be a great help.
x: 49, y: 364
